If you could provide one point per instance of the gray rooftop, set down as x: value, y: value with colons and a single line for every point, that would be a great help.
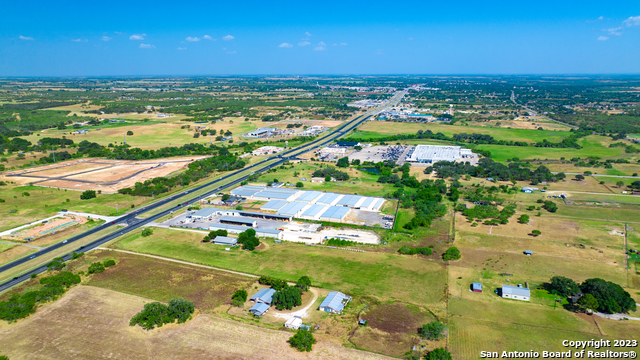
x: 291, y: 208
x: 274, y: 205
x: 334, y: 301
x: 205, y: 212
x: 225, y: 240
x: 514, y: 290
x: 238, y: 219
x: 264, y: 295
x: 314, y: 210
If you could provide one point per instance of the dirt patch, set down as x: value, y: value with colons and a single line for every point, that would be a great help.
x: 92, y: 323
x: 99, y: 174
x: 50, y: 227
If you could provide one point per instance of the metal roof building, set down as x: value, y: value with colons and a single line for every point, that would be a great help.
x: 309, y: 196
x: 477, y: 287
x: 329, y: 199
x: 434, y: 153
x: 235, y: 229
x: 238, y: 220
x: 259, y: 309
x: 517, y: 293
x: 274, y: 205
x: 263, y: 296
x: 292, y: 208
x: 314, y: 211
x: 205, y: 213
x: 224, y: 240
x: 335, y: 302
x: 349, y: 200
x: 335, y: 213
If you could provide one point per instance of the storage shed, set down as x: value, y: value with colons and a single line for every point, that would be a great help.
x: 476, y: 287
x: 335, y: 302
x: 516, y: 293
x: 259, y: 309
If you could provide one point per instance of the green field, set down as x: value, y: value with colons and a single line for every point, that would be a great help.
x: 386, y: 276
x: 376, y: 129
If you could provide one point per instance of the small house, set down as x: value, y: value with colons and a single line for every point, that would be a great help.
x: 293, y: 323
x: 224, y: 240
x: 516, y: 293
x: 476, y: 287
x: 335, y: 302
x: 362, y: 322
x: 528, y: 252
x: 263, y: 296
x: 259, y: 309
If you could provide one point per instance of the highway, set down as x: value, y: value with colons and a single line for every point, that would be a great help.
x: 133, y: 222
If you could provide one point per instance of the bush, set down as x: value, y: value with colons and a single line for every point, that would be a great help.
x: 109, y: 263
x: 157, y: 314
x: 563, y: 286
x: 299, y: 184
x: 340, y: 242
x: 439, y: 354
x: 433, y: 330
x: 76, y: 255
x: 303, y: 340
x: 129, y: 133
x: 452, y: 253
x: 239, y: 297
x: 536, y: 232
x: 88, y: 194
x: 407, y: 250
x: 56, y: 264
x: 147, y: 232
x: 550, y: 206
x: 96, y: 268
x: 276, y: 284
x: 523, y: 219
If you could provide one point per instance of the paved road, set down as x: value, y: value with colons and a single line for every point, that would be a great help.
x: 133, y: 222
x: 535, y: 113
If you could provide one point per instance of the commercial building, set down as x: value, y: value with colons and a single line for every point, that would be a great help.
x: 236, y: 229
x: 238, y: 220
x: 516, y: 293
x: 209, y: 213
x: 334, y: 302
x: 224, y: 240
x: 263, y: 296
x: 267, y: 150
x: 429, y: 154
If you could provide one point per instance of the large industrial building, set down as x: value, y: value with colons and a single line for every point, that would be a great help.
x: 429, y: 154
x: 312, y: 205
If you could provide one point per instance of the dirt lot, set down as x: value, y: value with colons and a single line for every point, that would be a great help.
x: 51, y: 227
x: 92, y: 323
x: 98, y: 174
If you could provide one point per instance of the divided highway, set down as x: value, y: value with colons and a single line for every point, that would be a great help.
x: 134, y: 223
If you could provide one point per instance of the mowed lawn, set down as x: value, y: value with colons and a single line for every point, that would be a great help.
x: 386, y: 276
x: 377, y: 129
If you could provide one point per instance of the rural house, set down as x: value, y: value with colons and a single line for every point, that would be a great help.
x: 335, y: 302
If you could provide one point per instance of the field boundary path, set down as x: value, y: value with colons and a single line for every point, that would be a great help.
x: 178, y: 261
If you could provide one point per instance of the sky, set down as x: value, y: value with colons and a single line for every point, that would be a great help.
x: 143, y: 38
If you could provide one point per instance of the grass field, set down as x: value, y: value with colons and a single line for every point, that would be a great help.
x: 375, y: 129
x: 44, y: 202
x: 386, y: 276
x: 90, y: 323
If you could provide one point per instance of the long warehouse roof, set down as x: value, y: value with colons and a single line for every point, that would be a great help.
x: 328, y: 198
x: 314, y: 210
x: 291, y: 208
x: 335, y: 212
x: 274, y: 205
x: 309, y: 196
x: 350, y: 200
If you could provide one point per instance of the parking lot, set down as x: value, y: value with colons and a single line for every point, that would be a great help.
x: 380, y: 153
x: 183, y: 220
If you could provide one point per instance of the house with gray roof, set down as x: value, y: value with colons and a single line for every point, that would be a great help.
x: 335, y: 302
x: 259, y: 309
x: 263, y: 296
x: 224, y: 240
x: 516, y: 293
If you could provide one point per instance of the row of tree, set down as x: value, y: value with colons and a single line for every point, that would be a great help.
x: 595, y: 294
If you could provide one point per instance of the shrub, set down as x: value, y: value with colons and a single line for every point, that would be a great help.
x: 239, y: 297
x: 304, y: 283
x: 147, y: 232
x: 157, y: 314
x: 56, y: 264
x: 109, y: 263
x: 299, y: 184
x: 96, y: 268
x: 407, y: 250
x: 433, y: 330
x: 129, y: 133
x: 523, y: 219
x: 536, y: 232
x: 303, y: 340
x: 88, y: 194
x: 439, y: 354
x: 452, y: 253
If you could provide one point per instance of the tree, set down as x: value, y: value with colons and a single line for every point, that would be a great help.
x: 287, y: 298
x: 611, y: 297
x: 536, y: 232
x: 157, y: 314
x: 303, y: 340
x: 299, y: 184
x: 588, y: 302
x: 108, y: 263
x: 439, y: 354
x: 563, y: 286
x: 88, y: 194
x: 550, y: 206
x: 620, y: 184
x: 56, y: 264
x: 327, y: 178
x: 579, y: 177
x: 239, y: 297
x: 433, y: 330
x: 343, y: 162
x: 452, y: 253
x: 147, y: 232
x: 129, y: 133
x: 248, y: 239
x: 523, y: 219
x: 96, y: 268
x: 304, y: 283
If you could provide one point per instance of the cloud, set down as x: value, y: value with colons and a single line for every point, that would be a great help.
x: 25, y: 38
x: 118, y: 32
x: 598, y: 19
x: 602, y: 38
x: 192, y: 39
x: 308, y: 34
x: 614, y: 31
x: 137, y: 37
x: 182, y: 48
x: 105, y: 38
x: 304, y: 43
x: 285, y: 45
x: 340, y: 44
x: 79, y: 40
x: 146, y: 46
x: 228, y: 37
x: 207, y: 37
x: 632, y: 21
x: 320, y: 47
